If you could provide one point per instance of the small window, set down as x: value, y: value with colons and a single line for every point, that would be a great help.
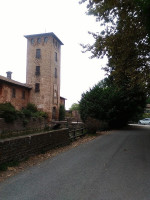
x: 45, y: 39
x: 55, y: 93
x: 39, y: 40
x: 13, y: 93
x: 37, y: 71
x: 32, y: 41
x: 38, y: 53
x: 37, y: 87
x: 23, y: 94
x: 55, y: 56
x: 55, y: 72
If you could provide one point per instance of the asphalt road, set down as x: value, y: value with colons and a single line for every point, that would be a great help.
x: 111, y: 167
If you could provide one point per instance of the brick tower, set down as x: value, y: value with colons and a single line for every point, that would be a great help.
x: 43, y: 72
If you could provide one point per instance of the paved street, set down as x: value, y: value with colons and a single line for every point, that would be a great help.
x: 111, y: 167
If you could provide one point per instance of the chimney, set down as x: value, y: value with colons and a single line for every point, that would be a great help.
x: 9, y: 74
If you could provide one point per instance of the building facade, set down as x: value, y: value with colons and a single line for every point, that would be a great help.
x: 42, y: 73
x: 16, y: 93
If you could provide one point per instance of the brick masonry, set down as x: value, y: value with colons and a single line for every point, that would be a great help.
x: 48, y: 96
x: 6, y: 95
x: 20, y: 148
x: 18, y: 125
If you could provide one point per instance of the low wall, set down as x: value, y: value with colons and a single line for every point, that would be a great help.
x: 65, y: 124
x: 20, y: 148
x: 19, y: 125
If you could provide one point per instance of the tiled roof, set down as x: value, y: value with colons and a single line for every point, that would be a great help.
x: 4, y: 79
x: 63, y: 98
x: 44, y: 34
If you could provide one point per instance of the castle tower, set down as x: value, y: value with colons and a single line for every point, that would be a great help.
x: 43, y: 71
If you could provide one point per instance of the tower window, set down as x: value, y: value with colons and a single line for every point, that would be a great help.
x: 55, y: 93
x: 38, y: 53
x: 45, y: 39
x: 23, y: 94
x: 32, y: 41
x: 55, y: 56
x: 37, y: 87
x: 55, y: 72
x: 13, y: 93
x: 39, y: 40
x: 37, y: 71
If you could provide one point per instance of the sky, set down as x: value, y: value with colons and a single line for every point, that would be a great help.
x: 65, y: 18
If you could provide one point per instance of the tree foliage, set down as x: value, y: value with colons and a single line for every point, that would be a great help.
x: 74, y: 106
x: 61, y: 112
x: 116, y: 106
x: 145, y: 9
x: 124, y: 40
x: 8, y: 112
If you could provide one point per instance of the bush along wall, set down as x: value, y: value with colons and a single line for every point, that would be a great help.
x: 27, y: 118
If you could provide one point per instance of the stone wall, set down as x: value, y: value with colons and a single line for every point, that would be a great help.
x: 20, y: 148
x: 19, y: 125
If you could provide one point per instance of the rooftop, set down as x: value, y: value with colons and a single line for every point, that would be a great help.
x: 44, y: 34
x: 4, y: 79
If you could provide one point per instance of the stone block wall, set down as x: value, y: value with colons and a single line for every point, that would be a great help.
x: 20, y: 148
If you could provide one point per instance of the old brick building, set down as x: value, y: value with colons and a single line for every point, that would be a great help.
x: 42, y: 76
x: 16, y: 93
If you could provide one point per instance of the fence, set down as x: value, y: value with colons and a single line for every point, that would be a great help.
x: 74, y: 133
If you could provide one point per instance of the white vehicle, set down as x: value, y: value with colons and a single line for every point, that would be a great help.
x: 145, y: 121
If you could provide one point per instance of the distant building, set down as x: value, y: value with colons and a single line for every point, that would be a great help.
x: 62, y: 101
x: 42, y: 76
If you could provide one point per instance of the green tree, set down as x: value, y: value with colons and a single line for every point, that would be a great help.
x: 8, y: 112
x: 61, y: 112
x: 116, y: 106
x: 145, y: 8
x: 124, y: 40
x: 74, y: 106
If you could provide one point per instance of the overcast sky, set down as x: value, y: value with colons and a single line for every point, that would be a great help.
x: 67, y: 19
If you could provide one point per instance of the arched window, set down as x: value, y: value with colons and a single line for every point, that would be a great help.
x: 32, y: 41
x: 45, y: 39
x: 37, y: 87
x: 39, y: 40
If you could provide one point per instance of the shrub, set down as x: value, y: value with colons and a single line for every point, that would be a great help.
x: 27, y: 113
x: 116, y: 106
x: 32, y: 108
x: 43, y: 114
x: 32, y: 111
x: 8, y: 112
